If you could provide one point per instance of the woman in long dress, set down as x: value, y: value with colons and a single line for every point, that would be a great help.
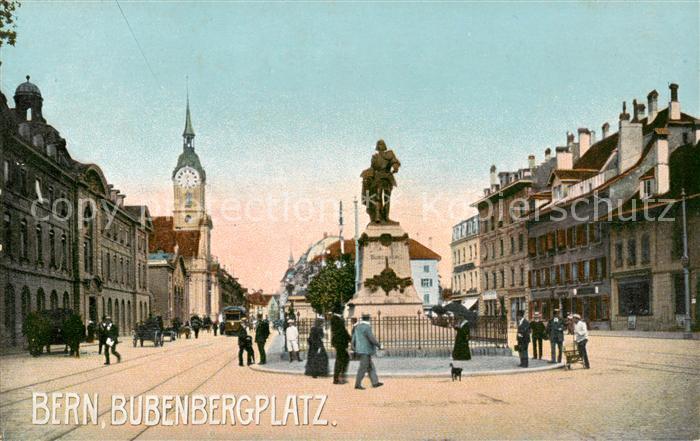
x: 461, y: 350
x: 317, y: 358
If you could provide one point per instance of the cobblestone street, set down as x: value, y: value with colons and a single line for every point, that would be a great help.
x: 637, y: 388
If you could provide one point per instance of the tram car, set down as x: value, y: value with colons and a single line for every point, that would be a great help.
x: 234, y: 319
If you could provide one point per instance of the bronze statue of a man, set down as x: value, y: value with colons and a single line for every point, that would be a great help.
x: 377, y: 183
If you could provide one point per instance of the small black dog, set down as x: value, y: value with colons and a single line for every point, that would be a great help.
x: 456, y: 373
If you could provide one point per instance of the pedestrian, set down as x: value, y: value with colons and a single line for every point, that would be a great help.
x: 111, y: 340
x: 340, y: 338
x: 523, y: 338
x: 365, y: 345
x: 196, y: 325
x: 581, y: 337
x: 538, y: 333
x: 461, y: 349
x: 317, y: 358
x: 101, y: 334
x: 245, y: 344
x: 262, y: 332
x: 292, y: 336
x: 555, y: 330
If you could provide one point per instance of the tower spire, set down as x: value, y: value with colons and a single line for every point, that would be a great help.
x: 188, y: 133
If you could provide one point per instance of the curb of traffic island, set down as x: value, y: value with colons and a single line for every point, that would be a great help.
x: 383, y: 374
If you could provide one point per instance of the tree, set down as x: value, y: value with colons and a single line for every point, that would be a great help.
x: 8, y: 35
x: 446, y: 294
x: 334, y: 285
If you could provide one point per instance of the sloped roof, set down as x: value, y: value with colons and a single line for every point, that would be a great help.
x: 574, y: 175
x: 164, y: 238
x: 416, y: 250
x: 258, y: 298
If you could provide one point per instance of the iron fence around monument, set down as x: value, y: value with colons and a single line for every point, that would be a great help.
x: 419, y: 333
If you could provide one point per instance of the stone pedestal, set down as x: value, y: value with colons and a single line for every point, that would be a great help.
x: 385, y: 260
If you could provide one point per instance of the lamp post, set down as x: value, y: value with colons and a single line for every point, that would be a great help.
x: 357, y: 249
x: 685, y: 262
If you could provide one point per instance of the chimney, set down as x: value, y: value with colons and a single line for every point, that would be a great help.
x: 564, y: 158
x: 584, y: 141
x: 531, y: 162
x: 652, y: 104
x: 604, y: 130
x: 494, y: 180
x: 674, y: 106
x: 661, y: 171
x: 569, y: 139
x: 638, y: 111
x: 547, y: 154
x: 593, y: 140
x: 120, y: 200
x: 629, y: 142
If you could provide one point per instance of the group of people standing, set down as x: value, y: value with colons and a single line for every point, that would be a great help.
x: 362, y: 342
x: 245, y: 342
x: 536, y: 331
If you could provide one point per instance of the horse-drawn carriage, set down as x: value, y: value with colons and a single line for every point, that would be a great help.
x: 151, y: 329
x: 52, y: 327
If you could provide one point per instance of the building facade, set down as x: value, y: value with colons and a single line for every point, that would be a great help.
x: 68, y: 239
x: 466, y: 271
x: 169, y: 283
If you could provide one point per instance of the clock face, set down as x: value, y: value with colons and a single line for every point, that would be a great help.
x: 187, y: 177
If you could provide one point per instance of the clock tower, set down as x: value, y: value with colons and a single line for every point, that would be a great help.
x: 189, y: 182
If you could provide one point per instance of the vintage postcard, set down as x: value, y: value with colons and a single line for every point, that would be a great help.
x: 357, y: 220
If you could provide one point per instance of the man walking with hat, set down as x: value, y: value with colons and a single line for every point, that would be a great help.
x: 365, y: 345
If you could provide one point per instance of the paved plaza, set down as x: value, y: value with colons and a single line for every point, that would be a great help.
x: 637, y: 388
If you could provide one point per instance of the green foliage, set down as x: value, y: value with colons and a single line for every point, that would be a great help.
x: 334, y: 285
x: 37, y: 328
x: 7, y: 21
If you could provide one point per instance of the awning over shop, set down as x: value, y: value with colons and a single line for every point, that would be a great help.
x: 468, y: 303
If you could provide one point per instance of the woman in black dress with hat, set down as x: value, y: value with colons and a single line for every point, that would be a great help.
x: 317, y: 358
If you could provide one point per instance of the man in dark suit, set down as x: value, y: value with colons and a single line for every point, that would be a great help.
x: 245, y: 344
x: 538, y: 333
x: 262, y: 332
x: 523, y: 338
x: 101, y: 334
x: 111, y: 340
x: 340, y: 338
x: 555, y: 330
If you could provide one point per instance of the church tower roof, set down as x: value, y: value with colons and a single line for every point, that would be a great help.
x: 189, y: 131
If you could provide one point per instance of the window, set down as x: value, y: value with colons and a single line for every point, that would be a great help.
x: 6, y: 173
x: 634, y: 297
x: 645, y: 248
x: 594, y: 233
x: 109, y: 268
x: 426, y: 283
x: 574, y: 270
x: 532, y: 247
x: 512, y: 275
x: 39, y: 246
x: 586, y: 270
x: 570, y: 239
x: 426, y: 299
x: 632, y: 251
x: 66, y: 300
x: 7, y: 224
x: 52, y: 248
x: 493, y: 279
x: 23, y: 240
x: 522, y: 276
x: 426, y: 268
x: 618, y: 254
x: 501, y: 246
x: 521, y: 242
x: 503, y: 278
x: 128, y: 272
x: 512, y: 245
x: 40, y: 300
x: 121, y: 267
x: 53, y: 299
x: 486, y: 281
x: 64, y: 251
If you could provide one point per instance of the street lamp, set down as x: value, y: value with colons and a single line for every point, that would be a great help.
x: 685, y: 262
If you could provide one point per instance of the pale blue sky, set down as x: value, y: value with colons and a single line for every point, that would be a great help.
x: 291, y: 96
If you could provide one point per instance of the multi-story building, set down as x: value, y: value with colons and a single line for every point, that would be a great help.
x: 68, y: 240
x: 466, y: 272
x: 570, y: 241
x: 503, y: 236
x: 169, y: 283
